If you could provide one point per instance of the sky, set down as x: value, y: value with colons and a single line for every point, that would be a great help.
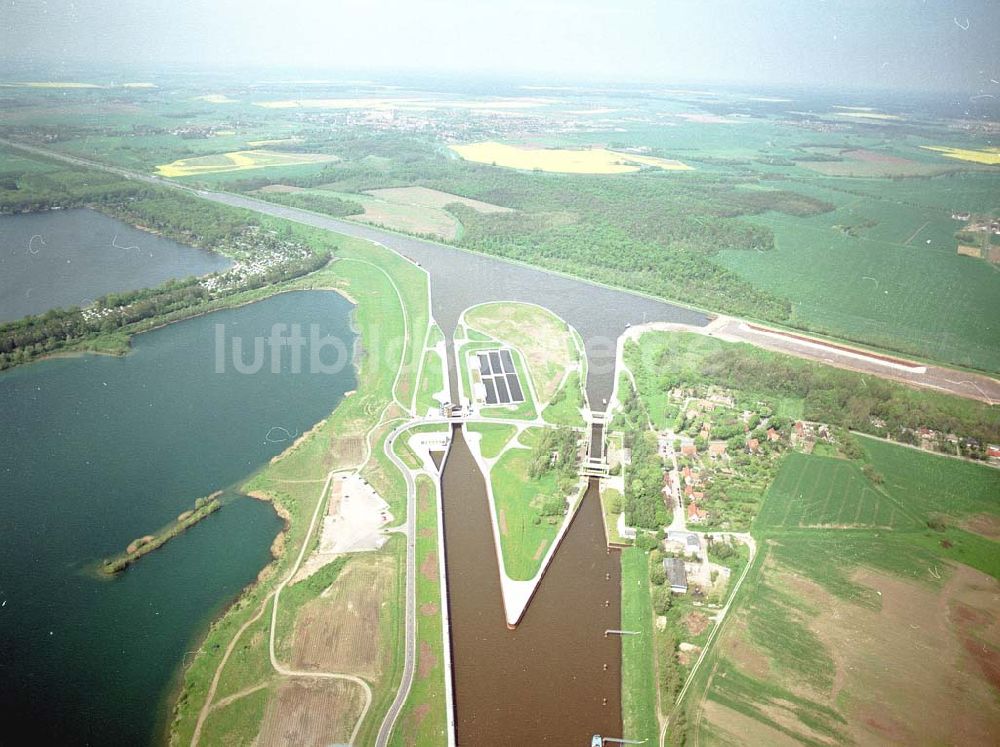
x: 888, y: 44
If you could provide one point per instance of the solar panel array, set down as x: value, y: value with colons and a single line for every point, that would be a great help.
x: 500, y: 378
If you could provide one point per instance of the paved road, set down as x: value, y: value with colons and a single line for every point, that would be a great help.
x: 385, y: 730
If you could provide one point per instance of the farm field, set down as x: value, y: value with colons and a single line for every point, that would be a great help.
x: 800, y: 660
x: 563, y: 160
x: 340, y: 631
x: 990, y: 156
x: 892, y: 604
x: 238, y: 161
x: 880, y: 273
x: 304, y: 712
x: 407, y: 217
x: 817, y: 491
x: 433, y: 198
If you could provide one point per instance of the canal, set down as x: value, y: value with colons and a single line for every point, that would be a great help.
x: 555, y: 679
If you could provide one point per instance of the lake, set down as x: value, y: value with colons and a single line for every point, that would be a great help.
x: 70, y: 257
x: 97, y: 451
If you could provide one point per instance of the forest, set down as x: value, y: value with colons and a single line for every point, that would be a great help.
x: 651, y: 231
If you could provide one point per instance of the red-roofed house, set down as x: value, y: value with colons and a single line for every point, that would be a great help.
x: 689, y: 450
x: 695, y: 514
x: 753, y: 444
x: 717, y: 449
x: 772, y: 435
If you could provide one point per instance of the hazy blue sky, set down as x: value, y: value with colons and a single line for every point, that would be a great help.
x: 935, y: 44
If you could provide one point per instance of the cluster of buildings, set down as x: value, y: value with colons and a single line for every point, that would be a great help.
x: 686, y: 563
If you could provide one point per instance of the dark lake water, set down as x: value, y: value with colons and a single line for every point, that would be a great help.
x: 97, y: 451
x: 70, y: 257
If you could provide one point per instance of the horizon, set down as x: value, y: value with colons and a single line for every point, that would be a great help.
x: 758, y: 44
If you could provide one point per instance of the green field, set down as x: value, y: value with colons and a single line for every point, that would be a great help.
x: 431, y: 382
x: 883, y: 284
x: 524, y: 536
x: 424, y: 717
x: 816, y: 491
x: 564, y: 407
x: 929, y: 485
x: 638, y: 660
x: 495, y: 437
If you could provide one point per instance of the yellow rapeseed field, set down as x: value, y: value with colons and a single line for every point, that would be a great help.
x: 989, y: 156
x: 562, y: 160
x: 238, y: 161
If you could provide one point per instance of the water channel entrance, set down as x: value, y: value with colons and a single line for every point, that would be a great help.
x: 556, y: 678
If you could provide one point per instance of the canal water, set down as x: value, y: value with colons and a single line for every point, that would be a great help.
x: 70, y: 257
x: 97, y: 451
x: 545, y: 682
x: 555, y: 679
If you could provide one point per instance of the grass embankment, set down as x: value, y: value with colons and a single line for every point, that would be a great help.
x: 564, y: 408
x: 638, y: 659
x: 423, y: 719
x: 293, y: 481
x: 611, y: 506
x: 431, y: 383
x: 527, y: 525
x: 203, y: 507
x: 495, y: 436
x: 545, y: 341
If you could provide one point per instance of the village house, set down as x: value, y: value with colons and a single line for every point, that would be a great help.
x: 717, y: 449
x: 683, y: 542
x: 676, y: 575
x: 695, y: 514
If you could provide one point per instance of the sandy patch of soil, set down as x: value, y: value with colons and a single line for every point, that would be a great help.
x: 986, y: 525
x: 426, y: 660
x: 696, y: 623
x: 429, y: 568
x: 541, y: 550
x: 340, y: 631
x: 428, y: 609
x: 303, y: 713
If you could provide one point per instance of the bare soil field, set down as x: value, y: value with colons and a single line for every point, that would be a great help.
x: 303, y: 713
x: 866, y: 163
x: 339, y: 631
x: 924, y: 645
x: 434, y: 198
x: 280, y: 189
x: 986, y: 525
